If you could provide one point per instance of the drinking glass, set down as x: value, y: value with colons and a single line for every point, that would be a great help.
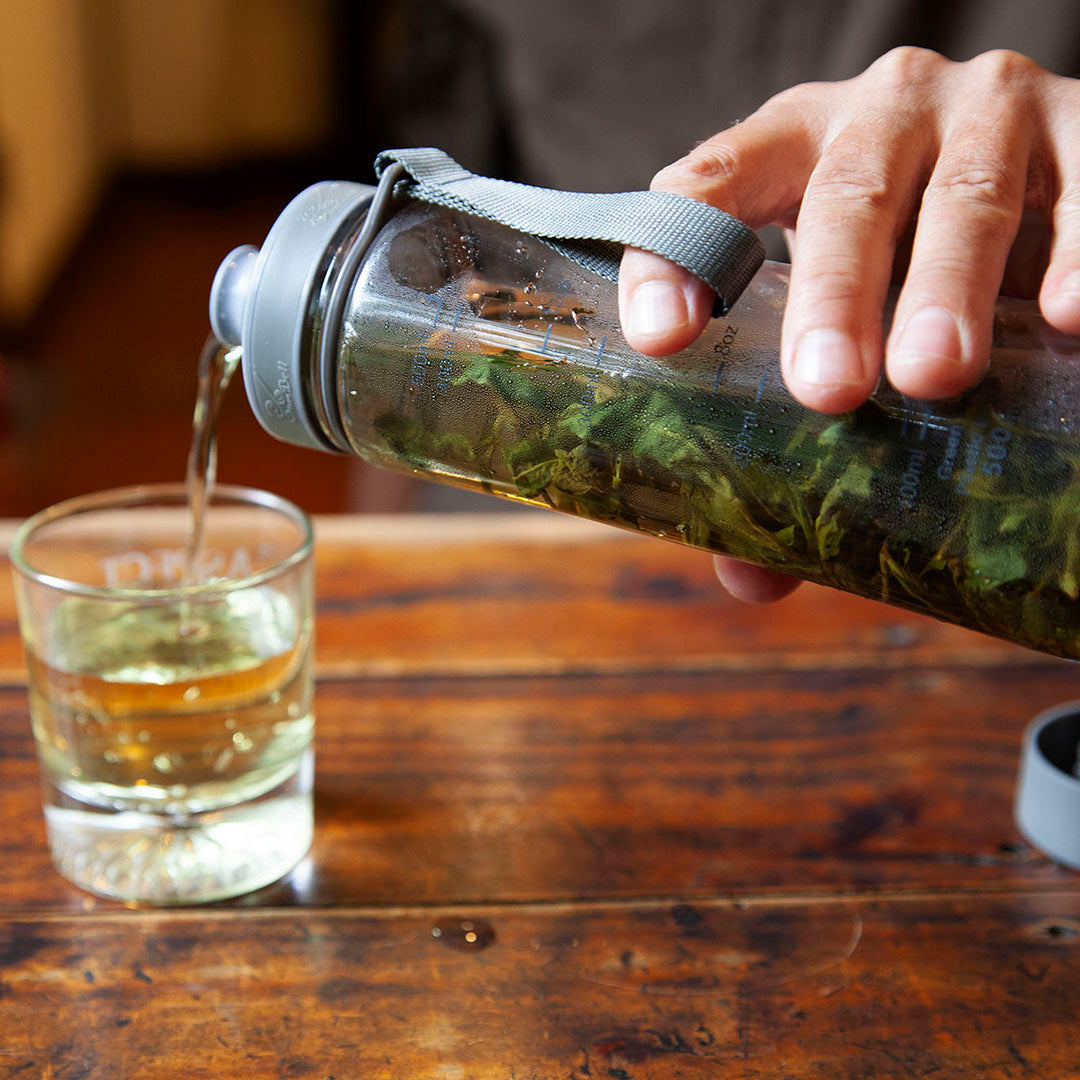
x: 173, y: 721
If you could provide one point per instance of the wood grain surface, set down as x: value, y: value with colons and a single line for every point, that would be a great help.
x: 953, y: 986
x: 580, y: 815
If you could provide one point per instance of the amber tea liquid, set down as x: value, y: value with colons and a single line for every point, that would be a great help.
x: 175, y: 735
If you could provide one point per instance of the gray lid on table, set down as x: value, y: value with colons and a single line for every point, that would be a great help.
x: 1047, y: 807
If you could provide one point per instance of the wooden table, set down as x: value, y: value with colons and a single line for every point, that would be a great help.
x: 581, y: 816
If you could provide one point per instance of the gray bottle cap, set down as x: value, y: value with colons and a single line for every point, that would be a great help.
x: 1047, y: 805
x: 263, y: 300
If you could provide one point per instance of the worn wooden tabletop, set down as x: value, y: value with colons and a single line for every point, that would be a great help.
x: 581, y: 816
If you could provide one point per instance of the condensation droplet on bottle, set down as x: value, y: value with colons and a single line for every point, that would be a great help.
x: 521, y: 249
x: 529, y: 288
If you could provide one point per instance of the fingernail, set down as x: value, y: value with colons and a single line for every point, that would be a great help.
x: 828, y: 358
x: 657, y: 308
x: 930, y: 336
x: 1071, y: 285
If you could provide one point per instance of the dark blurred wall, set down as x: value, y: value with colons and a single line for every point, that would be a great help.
x: 599, y: 94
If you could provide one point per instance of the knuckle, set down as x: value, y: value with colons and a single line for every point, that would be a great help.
x: 942, y: 272
x: 907, y: 64
x: 850, y: 189
x: 793, y: 99
x: 1004, y: 68
x: 831, y: 278
x: 990, y: 186
x: 711, y: 165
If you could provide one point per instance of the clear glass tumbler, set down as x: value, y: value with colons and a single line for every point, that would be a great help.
x: 173, y: 721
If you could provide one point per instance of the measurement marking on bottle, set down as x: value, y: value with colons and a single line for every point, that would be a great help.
x: 911, y: 479
x: 438, y: 312
x: 951, y: 452
x: 446, y: 364
x: 744, y: 441
x: 761, y: 387
x: 719, y: 375
x: 588, y: 396
x: 972, y: 453
x: 547, y: 338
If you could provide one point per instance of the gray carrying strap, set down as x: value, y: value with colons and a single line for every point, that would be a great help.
x: 592, y: 229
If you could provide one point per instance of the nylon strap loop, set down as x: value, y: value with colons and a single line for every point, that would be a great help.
x: 593, y: 228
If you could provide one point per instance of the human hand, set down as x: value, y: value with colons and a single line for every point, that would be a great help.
x: 956, y: 153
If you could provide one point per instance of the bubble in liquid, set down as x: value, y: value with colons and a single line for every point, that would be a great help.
x: 192, y: 693
x: 112, y: 757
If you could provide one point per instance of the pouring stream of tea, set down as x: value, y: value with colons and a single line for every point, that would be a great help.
x: 217, y: 363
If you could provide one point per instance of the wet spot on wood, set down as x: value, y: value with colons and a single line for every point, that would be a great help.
x: 469, y: 935
x: 686, y: 916
x: 1058, y: 930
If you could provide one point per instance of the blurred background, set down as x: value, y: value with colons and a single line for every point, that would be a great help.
x: 139, y: 143
x: 141, y: 140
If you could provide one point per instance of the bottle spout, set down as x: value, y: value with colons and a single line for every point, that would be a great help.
x: 230, y: 293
